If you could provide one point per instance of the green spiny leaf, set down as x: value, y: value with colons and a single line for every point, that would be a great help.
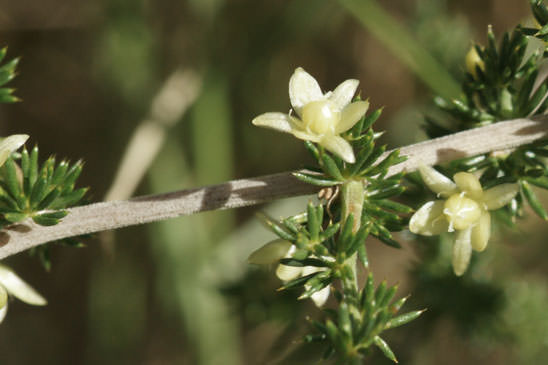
x: 59, y: 173
x: 33, y: 166
x: 533, y: 200
x: 330, y: 167
x: 362, y: 255
x: 68, y: 199
x: 371, y: 118
x: 72, y: 175
x: 346, y: 231
x: 40, y: 189
x: 383, y: 346
x: 392, y: 205
x: 311, y: 147
x: 275, y: 227
x: 315, y: 215
x: 403, y: 319
x: 330, y: 231
x: 15, y: 217
x: 297, y: 282
x: 45, y: 220
x: 319, y: 180
x: 358, y: 241
x: 368, y: 294
x: 375, y: 154
x: 380, y: 292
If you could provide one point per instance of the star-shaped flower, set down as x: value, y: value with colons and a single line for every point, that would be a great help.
x: 319, y: 117
x: 12, y: 284
x: 464, y: 210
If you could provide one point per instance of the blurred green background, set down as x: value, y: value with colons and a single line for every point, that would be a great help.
x: 180, y: 292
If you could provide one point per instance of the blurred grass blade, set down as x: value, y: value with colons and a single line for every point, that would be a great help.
x: 398, y: 39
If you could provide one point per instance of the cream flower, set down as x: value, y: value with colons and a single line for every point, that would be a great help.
x: 10, y: 144
x: 320, y: 118
x: 464, y: 210
x: 287, y: 273
x: 12, y: 284
x: 278, y: 249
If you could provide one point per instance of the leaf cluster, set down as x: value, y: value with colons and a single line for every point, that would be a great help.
x: 354, y: 328
x: 321, y: 244
x: 328, y: 247
x: 380, y: 213
x: 540, y: 12
x: 505, y: 84
x: 40, y: 192
x: 7, y: 73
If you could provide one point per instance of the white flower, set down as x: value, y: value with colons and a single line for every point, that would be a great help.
x: 320, y: 118
x: 278, y: 249
x: 10, y: 144
x: 12, y: 284
x: 287, y: 273
x: 465, y: 211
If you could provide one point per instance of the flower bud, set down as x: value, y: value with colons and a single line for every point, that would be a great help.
x: 472, y: 61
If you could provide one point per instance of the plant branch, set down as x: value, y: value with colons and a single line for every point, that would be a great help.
x: 238, y: 193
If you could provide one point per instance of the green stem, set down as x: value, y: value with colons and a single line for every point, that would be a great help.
x: 352, y: 197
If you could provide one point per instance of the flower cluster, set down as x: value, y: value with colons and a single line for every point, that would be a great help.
x: 319, y: 250
x: 463, y: 209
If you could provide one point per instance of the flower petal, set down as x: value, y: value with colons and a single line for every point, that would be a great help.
x: 481, y: 232
x: 321, y: 296
x: 10, y: 144
x: 429, y: 219
x: 468, y: 183
x: 18, y: 288
x: 306, y: 136
x: 287, y: 273
x: 303, y: 89
x: 278, y: 121
x: 3, y: 297
x: 3, y: 310
x: 351, y: 114
x: 339, y: 146
x: 270, y: 253
x: 462, y: 251
x: 342, y: 95
x: 499, y: 196
x: 436, y: 181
